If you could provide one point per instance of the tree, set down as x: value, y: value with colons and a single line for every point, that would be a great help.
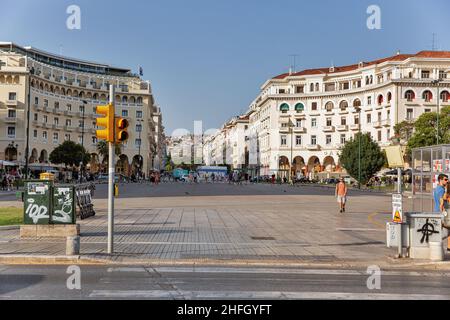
x: 103, y: 149
x: 372, y: 158
x: 69, y: 153
x: 425, y: 129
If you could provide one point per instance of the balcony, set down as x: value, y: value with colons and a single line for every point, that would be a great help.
x: 10, y: 119
x: 377, y: 124
x: 11, y: 103
x: 299, y: 129
x: 284, y: 129
x: 68, y: 128
x: 354, y: 127
x: 11, y: 136
x: 328, y: 129
x: 312, y: 147
x: 57, y: 111
x: 343, y: 127
x: 386, y: 123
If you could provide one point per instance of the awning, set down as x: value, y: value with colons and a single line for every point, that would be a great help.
x: 284, y: 107
x: 4, y: 163
x: 299, y: 107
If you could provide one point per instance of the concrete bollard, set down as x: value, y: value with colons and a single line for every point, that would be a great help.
x: 73, y: 246
x: 436, y: 251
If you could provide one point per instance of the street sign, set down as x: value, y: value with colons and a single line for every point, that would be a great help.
x: 397, y: 208
x: 394, y: 155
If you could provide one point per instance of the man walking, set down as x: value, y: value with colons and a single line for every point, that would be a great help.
x: 439, y: 193
x: 341, y: 194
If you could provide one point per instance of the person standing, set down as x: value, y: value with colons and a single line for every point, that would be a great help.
x: 341, y: 194
x: 439, y: 194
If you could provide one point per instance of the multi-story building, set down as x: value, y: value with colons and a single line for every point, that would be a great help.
x: 63, y: 94
x: 299, y: 121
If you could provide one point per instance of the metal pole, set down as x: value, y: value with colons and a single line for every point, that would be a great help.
x: 27, y: 148
x: 359, y: 150
x: 140, y: 142
x: 437, y: 122
x: 399, y: 190
x: 82, y: 143
x: 292, y: 145
x: 111, y: 175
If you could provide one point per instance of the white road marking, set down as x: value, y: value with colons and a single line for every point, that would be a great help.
x: 360, y: 229
x: 160, y: 294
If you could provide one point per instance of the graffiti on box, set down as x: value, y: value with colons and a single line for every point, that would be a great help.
x: 36, y: 212
x: 63, y: 205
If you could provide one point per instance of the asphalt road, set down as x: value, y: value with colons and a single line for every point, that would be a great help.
x: 221, y: 283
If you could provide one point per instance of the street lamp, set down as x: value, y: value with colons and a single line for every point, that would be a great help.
x: 436, y: 83
x: 358, y: 109
x: 291, y: 131
x: 82, y: 140
x: 139, y: 146
x: 27, y: 148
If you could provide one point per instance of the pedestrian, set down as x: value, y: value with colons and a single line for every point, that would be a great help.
x: 273, y: 179
x: 439, y: 194
x: 341, y: 194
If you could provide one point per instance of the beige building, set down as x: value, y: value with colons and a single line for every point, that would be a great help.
x: 64, y: 93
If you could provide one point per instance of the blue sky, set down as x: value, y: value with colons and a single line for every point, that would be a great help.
x: 207, y: 59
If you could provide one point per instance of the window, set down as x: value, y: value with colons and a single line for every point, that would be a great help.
x: 80, y: 139
x: 313, y: 122
x: 298, y: 140
x: 427, y: 110
x: 94, y: 140
x: 56, y: 121
x: 343, y: 105
x: 442, y: 75
x: 45, y: 118
x: 343, y: 121
x: 12, y: 96
x: 139, y: 128
x: 425, y: 74
x: 81, y: 108
x: 388, y: 134
x: 67, y: 137
x: 299, y: 107
x: 11, y: 132
x: 284, y: 108
x: 388, y: 115
x: 427, y: 95
x: 124, y: 113
x: 298, y: 123
x: 389, y: 97
x: 357, y: 103
x: 55, y: 136
x: 45, y: 103
x: 80, y: 123
x: 314, y: 106
x: 356, y: 120
x: 68, y: 123
x: 329, y: 122
x: 380, y: 99
x: 444, y: 96
x: 69, y: 107
x: 409, y: 114
x: 283, y: 140
x: 56, y: 105
x: 410, y: 95
x: 35, y: 133
x: 137, y: 142
x: 379, y: 116
x: 369, y: 101
x: 369, y: 118
x: 329, y: 106
x: 343, y: 139
x: 311, y: 87
x: 299, y: 89
x: 36, y: 100
x: 11, y: 113
x: 35, y: 117
x: 44, y: 135
x: 379, y: 136
x: 328, y: 139
x: 313, y: 140
x: 139, y: 114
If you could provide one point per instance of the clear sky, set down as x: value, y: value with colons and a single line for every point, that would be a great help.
x: 207, y: 59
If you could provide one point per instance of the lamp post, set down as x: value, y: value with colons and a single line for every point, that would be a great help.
x: 82, y: 141
x: 436, y: 83
x: 291, y: 131
x: 358, y: 109
x: 27, y: 147
x: 139, y: 146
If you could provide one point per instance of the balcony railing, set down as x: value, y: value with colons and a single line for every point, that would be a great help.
x: 10, y: 119
x: 342, y: 127
x: 328, y: 129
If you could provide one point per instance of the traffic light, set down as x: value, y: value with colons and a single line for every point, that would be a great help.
x: 106, y: 122
x: 121, y: 130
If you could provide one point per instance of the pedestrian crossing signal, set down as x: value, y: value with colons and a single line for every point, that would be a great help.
x: 121, y: 130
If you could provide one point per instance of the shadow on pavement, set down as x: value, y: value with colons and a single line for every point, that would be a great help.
x: 12, y: 283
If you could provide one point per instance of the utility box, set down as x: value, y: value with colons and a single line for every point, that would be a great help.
x: 63, y: 205
x: 425, y: 228
x: 392, y: 234
x: 37, y: 202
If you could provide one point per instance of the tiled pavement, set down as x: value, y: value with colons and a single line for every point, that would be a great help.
x: 270, y: 227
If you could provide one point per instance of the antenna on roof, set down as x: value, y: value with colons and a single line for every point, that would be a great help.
x: 293, y: 65
x: 433, y: 45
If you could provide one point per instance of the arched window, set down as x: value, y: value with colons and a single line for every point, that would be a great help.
x: 343, y: 105
x: 427, y: 95
x: 329, y: 106
x: 380, y: 99
x: 317, y: 87
x: 445, y: 95
x: 410, y: 95
x: 311, y: 87
x: 284, y: 108
x: 125, y: 99
x: 356, y: 103
x: 139, y: 100
x: 389, y: 97
x: 299, y: 107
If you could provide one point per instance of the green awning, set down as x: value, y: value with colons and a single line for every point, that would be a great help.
x: 284, y: 107
x: 299, y: 107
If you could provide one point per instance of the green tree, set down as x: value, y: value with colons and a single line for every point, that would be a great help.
x: 372, y: 158
x: 103, y: 150
x: 69, y: 153
x: 425, y: 129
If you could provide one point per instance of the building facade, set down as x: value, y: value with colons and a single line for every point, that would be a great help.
x: 64, y: 93
x: 299, y: 121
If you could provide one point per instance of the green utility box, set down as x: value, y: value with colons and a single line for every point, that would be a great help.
x: 46, y: 204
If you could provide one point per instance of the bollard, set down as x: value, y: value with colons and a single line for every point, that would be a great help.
x: 436, y: 251
x: 73, y: 246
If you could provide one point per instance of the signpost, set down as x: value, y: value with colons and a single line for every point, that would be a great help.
x: 397, y: 208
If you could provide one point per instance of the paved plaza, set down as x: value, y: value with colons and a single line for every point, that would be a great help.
x: 222, y: 222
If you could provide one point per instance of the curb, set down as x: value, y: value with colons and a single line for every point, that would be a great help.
x: 107, y: 261
x: 7, y: 228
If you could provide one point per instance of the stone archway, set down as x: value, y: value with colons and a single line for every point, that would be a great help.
x: 298, y: 165
x: 11, y: 153
x: 314, y: 165
x: 34, y: 156
x: 123, y: 165
x: 136, y: 164
x: 283, y: 167
x: 94, y: 164
x: 43, y: 158
x: 329, y: 164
